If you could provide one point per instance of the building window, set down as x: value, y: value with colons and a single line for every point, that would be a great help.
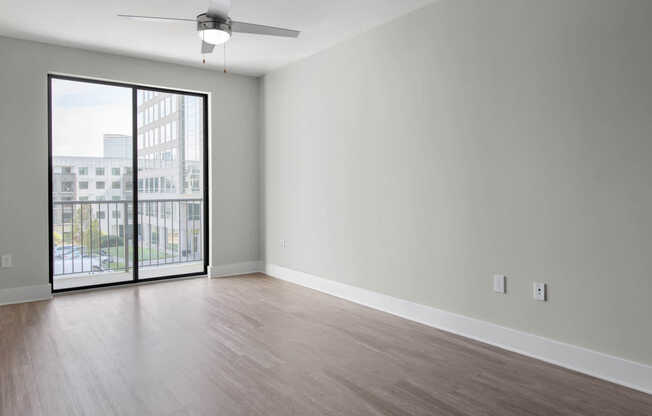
x: 99, y: 171
x: 100, y: 215
x: 83, y: 198
x: 66, y: 218
x: 115, y: 171
x: 83, y: 185
x: 115, y: 185
x: 115, y: 198
x: 83, y: 171
x: 66, y: 170
x: 99, y: 185
x: 66, y: 187
x: 166, y: 211
x: 194, y: 212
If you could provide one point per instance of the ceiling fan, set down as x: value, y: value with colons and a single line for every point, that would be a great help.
x: 215, y: 26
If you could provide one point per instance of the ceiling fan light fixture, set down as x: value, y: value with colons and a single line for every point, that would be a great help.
x: 214, y: 36
x: 213, y: 29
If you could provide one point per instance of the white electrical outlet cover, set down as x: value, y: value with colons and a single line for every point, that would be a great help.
x: 6, y: 261
x: 499, y: 283
x: 539, y: 291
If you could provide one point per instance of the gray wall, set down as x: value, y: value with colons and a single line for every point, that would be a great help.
x: 471, y: 138
x: 23, y: 149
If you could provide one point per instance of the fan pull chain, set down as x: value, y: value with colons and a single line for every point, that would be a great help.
x: 225, y: 57
x: 203, y: 55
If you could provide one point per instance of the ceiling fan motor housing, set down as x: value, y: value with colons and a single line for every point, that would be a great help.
x: 206, y: 22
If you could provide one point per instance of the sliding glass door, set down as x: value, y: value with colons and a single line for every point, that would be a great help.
x: 128, y: 196
x: 91, y: 178
x: 170, y: 148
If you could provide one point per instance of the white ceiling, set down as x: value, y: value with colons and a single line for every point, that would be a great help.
x: 92, y: 24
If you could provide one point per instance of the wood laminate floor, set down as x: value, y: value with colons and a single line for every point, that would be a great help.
x: 253, y: 345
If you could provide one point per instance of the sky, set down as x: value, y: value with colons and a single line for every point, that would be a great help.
x: 82, y: 113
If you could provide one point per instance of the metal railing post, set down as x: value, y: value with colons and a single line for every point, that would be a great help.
x: 125, y: 235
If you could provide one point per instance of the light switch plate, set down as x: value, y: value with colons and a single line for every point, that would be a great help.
x: 499, y: 283
x: 539, y: 291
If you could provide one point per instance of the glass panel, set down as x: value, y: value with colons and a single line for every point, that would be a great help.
x: 91, y: 194
x: 170, y: 184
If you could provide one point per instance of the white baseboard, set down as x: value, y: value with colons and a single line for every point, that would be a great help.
x: 235, y: 269
x: 25, y: 294
x: 614, y: 369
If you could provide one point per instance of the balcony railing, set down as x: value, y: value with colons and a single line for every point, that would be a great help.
x: 97, y: 236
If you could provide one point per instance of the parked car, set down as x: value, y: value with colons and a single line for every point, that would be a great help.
x: 67, y: 251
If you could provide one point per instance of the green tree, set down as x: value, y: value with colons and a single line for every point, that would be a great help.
x: 57, y: 238
x: 87, y: 229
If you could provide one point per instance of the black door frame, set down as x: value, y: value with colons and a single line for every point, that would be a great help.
x: 134, y: 168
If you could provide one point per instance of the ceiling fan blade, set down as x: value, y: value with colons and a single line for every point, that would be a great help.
x: 219, y: 8
x: 207, y: 47
x: 243, y: 27
x: 156, y: 18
